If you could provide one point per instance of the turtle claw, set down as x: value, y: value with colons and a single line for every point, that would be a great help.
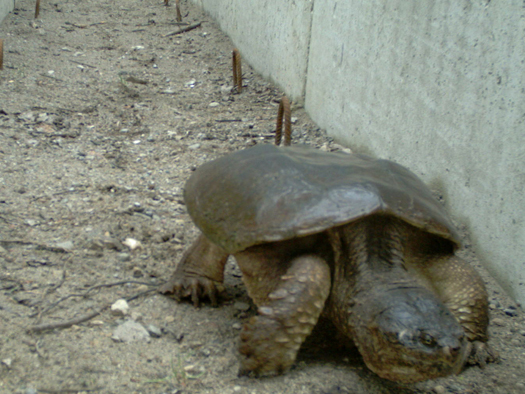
x: 481, y: 354
x: 195, y: 288
x: 199, y: 274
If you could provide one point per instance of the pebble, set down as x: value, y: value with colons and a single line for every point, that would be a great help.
x: 214, y: 104
x: 511, y: 312
x: 132, y: 243
x: 440, y: 390
x: 120, y: 308
x: 137, y: 272
x: 154, y: 331
x: 123, y: 257
x: 193, y: 370
x: 31, y: 222
x: 226, y: 90
x: 194, y: 146
x: 241, y: 306
x: 7, y: 362
x: 236, y: 326
x: 130, y: 331
x: 498, y: 322
x: 68, y: 245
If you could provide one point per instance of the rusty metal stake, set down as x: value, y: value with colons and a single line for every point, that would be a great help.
x: 284, y: 111
x: 37, y: 9
x: 177, y: 8
x: 237, y: 70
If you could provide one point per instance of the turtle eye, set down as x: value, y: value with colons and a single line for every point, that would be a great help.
x: 427, y: 339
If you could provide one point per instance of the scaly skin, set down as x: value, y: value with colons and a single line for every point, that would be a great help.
x: 402, y: 296
x: 271, y: 340
x: 414, y: 310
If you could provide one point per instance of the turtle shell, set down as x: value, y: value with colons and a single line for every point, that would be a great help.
x: 268, y: 193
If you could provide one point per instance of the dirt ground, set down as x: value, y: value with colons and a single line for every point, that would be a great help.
x: 103, y: 116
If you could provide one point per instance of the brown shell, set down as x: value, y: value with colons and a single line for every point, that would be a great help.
x: 268, y: 193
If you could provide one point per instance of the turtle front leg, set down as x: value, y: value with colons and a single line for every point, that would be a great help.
x: 461, y: 289
x: 270, y: 341
x: 199, y: 274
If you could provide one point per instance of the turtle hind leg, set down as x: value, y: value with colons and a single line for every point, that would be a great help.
x: 199, y: 274
x: 270, y: 341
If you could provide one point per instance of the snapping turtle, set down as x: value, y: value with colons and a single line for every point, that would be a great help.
x: 358, y: 240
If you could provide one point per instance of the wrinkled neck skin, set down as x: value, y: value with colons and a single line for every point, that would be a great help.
x: 401, y: 329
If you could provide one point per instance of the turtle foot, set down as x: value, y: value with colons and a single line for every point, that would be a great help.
x: 481, y: 354
x: 266, y: 348
x: 196, y: 288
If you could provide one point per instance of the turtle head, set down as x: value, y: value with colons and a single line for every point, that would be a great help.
x: 407, y: 335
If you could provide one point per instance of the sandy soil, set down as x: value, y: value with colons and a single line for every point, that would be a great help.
x: 103, y: 116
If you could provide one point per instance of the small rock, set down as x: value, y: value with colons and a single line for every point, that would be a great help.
x: 31, y: 222
x: 193, y: 370
x: 130, y: 331
x: 42, y: 117
x: 137, y: 272
x: 154, y: 331
x: 226, y: 90
x: 132, y: 244
x: 7, y: 362
x: 214, y: 104
x: 123, y: 257
x: 342, y: 148
x: 120, y: 308
x: 136, y: 316
x: 194, y: 146
x: 241, y: 306
x: 67, y: 245
x: 29, y: 116
x: 205, y: 352
x: 236, y: 326
x: 440, y: 390
x: 498, y: 322
x: 510, y: 312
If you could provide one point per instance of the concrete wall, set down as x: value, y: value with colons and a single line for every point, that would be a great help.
x: 437, y: 86
x: 5, y: 7
x: 275, y: 44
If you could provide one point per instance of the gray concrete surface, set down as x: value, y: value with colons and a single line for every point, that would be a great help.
x: 435, y: 86
x: 5, y: 7
x: 273, y: 34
